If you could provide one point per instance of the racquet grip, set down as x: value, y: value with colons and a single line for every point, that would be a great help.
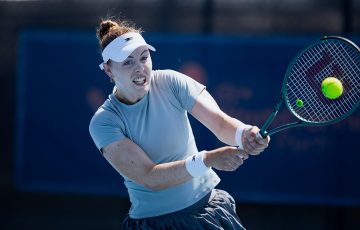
x: 260, y: 135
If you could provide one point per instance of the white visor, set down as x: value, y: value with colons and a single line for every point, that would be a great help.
x: 121, y: 47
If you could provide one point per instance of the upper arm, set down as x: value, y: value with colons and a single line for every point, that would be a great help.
x: 129, y: 160
x: 106, y: 127
x: 207, y: 111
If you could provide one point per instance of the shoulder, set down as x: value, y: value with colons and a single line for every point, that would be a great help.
x: 169, y: 78
x: 104, y: 116
x: 165, y: 75
x: 100, y: 117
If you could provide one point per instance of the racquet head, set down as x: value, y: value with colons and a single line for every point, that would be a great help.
x: 302, y: 88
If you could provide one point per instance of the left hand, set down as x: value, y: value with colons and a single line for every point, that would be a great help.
x: 227, y: 158
x: 252, y: 144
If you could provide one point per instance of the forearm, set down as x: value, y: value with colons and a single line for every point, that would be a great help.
x: 162, y: 176
x: 209, y: 113
x: 133, y: 163
x: 227, y: 129
x: 170, y: 174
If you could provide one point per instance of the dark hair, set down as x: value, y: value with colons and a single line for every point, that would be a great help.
x: 109, y: 30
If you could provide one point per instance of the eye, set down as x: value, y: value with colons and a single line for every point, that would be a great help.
x: 126, y: 63
x: 144, y: 58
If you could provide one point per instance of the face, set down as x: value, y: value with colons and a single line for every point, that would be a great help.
x: 132, y: 76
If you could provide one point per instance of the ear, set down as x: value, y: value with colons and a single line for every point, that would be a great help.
x: 108, y: 72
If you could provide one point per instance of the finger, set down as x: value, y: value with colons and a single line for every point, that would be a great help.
x: 252, y: 134
x: 263, y: 141
x: 249, y: 134
x: 232, y: 166
x: 246, y: 144
x: 243, y: 155
x: 255, y: 150
x: 251, y: 145
x: 238, y: 163
x: 259, y: 148
x: 267, y: 139
x: 240, y: 158
x: 237, y: 158
x: 256, y: 138
x: 255, y: 153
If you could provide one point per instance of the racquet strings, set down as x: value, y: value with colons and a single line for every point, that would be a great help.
x: 326, y: 58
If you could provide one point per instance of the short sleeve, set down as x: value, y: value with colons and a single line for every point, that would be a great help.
x: 105, y: 128
x: 185, y: 89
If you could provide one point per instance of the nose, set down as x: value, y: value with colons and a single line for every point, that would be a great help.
x: 139, y: 67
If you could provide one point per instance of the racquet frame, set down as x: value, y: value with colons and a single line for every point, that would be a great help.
x: 282, y: 97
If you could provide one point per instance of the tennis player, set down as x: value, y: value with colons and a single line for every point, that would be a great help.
x: 143, y: 131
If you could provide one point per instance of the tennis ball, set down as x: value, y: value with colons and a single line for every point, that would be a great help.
x: 299, y: 103
x: 332, y: 87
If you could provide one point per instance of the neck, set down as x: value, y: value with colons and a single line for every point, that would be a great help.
x: 124, y: 99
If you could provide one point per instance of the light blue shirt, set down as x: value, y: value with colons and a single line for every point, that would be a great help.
x: 159, y: 124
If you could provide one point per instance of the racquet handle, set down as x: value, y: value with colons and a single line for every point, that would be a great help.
x: 259, y: 135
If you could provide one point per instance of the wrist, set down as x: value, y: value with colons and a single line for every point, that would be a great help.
x: 195, y: 164
x: 206, y: 159
x: 239, y: 135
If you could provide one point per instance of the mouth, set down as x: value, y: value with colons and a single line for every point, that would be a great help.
x: 140, y: 81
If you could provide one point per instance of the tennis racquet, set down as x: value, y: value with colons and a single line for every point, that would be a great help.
x: 302, y: 93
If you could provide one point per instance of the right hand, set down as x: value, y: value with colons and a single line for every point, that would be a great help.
x: 227, y: 158
x: 252, y: 143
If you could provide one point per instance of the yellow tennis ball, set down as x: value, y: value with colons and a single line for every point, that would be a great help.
x: 332, y: 87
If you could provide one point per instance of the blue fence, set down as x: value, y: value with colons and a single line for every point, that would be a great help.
x: 59, y: 87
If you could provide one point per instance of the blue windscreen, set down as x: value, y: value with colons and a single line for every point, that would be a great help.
x: 60, y: 86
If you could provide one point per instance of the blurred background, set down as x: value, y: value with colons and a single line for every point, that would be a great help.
x: 53, y: 177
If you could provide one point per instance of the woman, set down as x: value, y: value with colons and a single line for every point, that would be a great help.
x: 143, y: 131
